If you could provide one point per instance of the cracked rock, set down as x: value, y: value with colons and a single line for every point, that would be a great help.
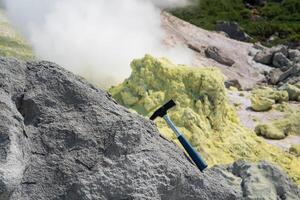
x: 62, y: 138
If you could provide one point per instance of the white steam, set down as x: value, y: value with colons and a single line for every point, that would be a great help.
x: 95, y: 38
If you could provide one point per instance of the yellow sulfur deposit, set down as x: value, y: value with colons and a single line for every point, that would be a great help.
x: 281, y: 128
x: 203, y: 113
x: 263, y: 98
x: 293, y: 91
x: 295, y: 149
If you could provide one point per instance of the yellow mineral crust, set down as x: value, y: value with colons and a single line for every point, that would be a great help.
x: 281, y: 128
x: 295, y: 149
x: 263, y: 98
x: 203, y: 113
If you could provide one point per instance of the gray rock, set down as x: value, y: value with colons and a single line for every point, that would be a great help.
x: 233, y: 30
x: 219, y: 56
x: 280, y: 60
x: 264, y: 181
x: 265, y: 57
x: 61, y: 138
x: 294, y: 55
x: 280, y: 49
x: 277, y: 75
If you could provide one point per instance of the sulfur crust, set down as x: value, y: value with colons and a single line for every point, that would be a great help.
x: 295, y: 149
x: 263, y: 98
x: 281, y: 128
x: 203, y: 113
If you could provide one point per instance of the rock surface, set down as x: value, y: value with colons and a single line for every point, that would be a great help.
x: 245, y: 69
x: 257, y: 181
x: 202, y: 113
x: 265, y: 57
x: 219, y: 56
x: 285, y: 61
x: 280, y: 60
x: 233, y: 30
x: 61, y: 138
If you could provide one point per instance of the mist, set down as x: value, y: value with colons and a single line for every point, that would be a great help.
x: 96, y: 39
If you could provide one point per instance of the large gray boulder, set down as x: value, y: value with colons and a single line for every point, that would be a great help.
x: 63, y: 139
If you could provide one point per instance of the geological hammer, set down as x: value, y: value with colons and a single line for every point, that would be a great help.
x: 195, y: 156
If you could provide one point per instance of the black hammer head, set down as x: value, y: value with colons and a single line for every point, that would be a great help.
x: 162, y: 111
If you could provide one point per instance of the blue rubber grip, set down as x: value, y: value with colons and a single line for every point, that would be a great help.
x: 201, y: 164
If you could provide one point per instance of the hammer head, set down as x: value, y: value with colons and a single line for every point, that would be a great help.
x: 162, y: 111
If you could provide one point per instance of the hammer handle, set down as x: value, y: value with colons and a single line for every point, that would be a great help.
x: 195, y: 156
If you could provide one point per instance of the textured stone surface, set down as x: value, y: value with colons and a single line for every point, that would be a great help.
x: 277, y: 75
x: 294, y: 55
x: 233, y: 30
x: 280, y: 60
x: 219, y: 56
x: 61, y: 138
x: 265, y: 57
x: 263, y: 181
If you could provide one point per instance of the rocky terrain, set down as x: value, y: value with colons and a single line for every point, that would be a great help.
x: 203, y: 112
x: 245, y: 63
x: 245, y: 66
x: 61, y: 138
x: 234, y: 58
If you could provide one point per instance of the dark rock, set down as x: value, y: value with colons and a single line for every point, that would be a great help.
x: 280, y: 60
x: 277, y: 75
x: 294, y: 55
x: 265, y: 57
x: 233, y: 83
x: 219, y: 56
x: 280, y: 49
x: 233, y: 30
x: 66, y: 139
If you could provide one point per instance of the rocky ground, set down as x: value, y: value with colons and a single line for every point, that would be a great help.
x: 244, y: 65
x: 250, y: 118
x: 61, y: 138
x: 248, y: 64
x: 215, y: 49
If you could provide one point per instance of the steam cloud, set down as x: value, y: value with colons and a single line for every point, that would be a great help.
x: 95, y: 38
